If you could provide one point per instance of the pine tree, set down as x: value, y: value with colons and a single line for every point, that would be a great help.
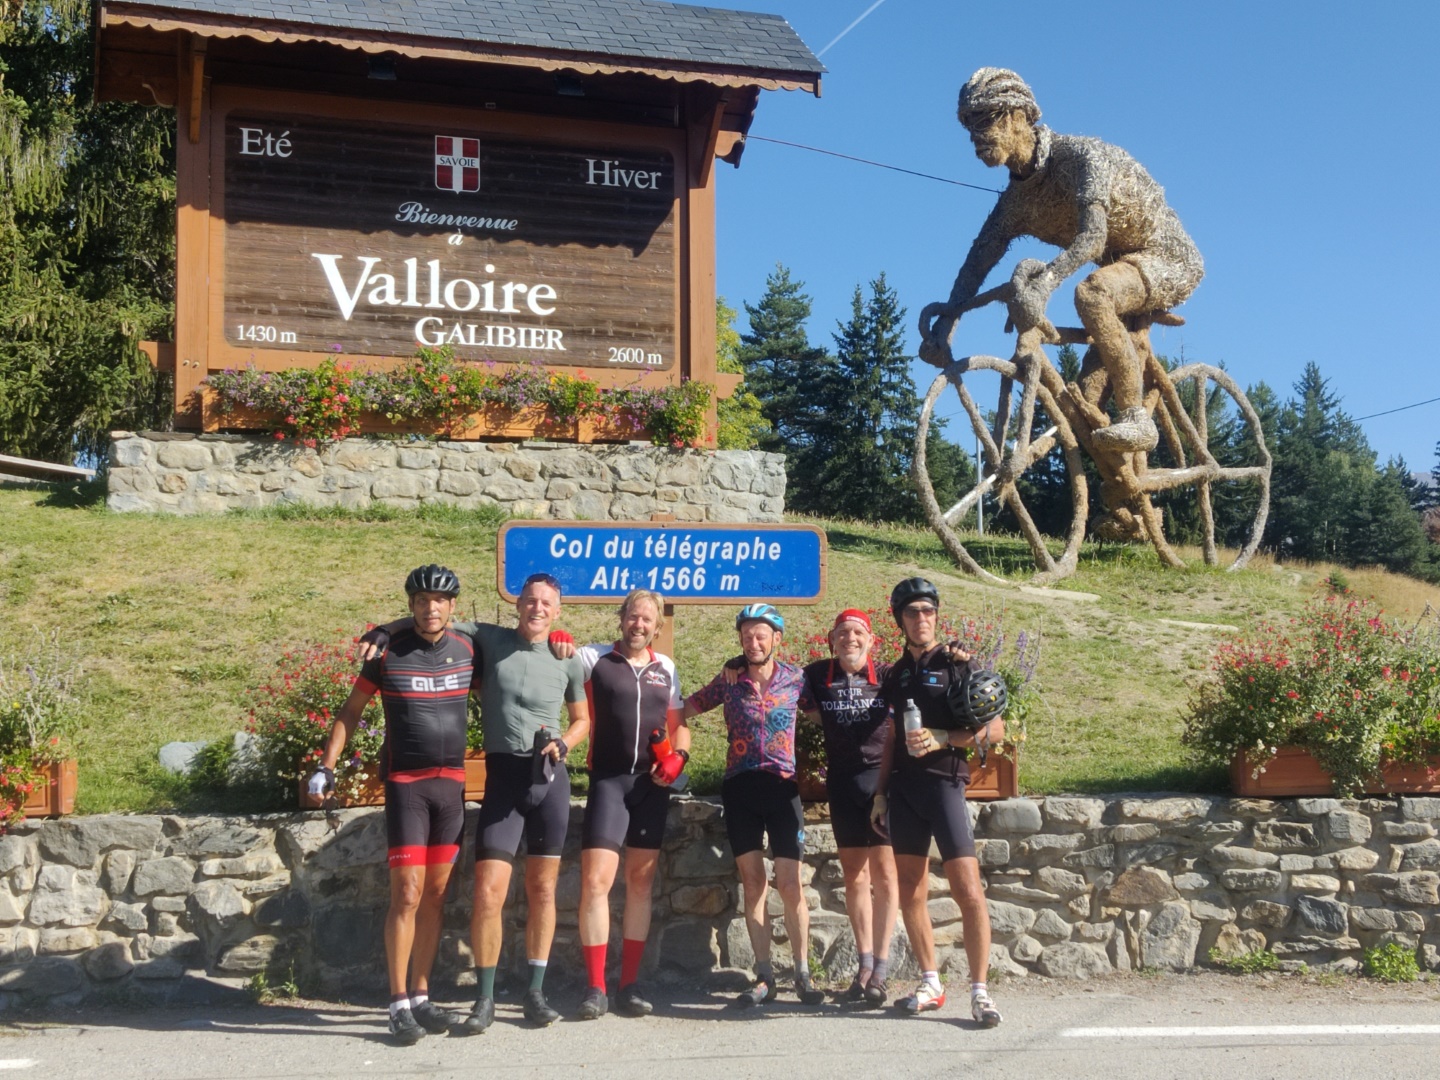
x: 857, y: 462
x: 87, y: 205
x: 742, y: 421
x: 781, y: 365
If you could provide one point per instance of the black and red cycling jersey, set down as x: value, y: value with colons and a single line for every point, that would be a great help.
x: 854, y: 712
x: 423, y: 688
x: 627, y: 703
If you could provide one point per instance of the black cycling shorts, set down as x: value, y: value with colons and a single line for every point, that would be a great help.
x: 627, y: 809
x: 851, y: 796
x: 757, y: 803
x: 424, y: 821
x: 515, y: 806
x: 925, y: 805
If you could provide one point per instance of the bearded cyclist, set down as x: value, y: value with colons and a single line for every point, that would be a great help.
x: 922, y: 786
x: 423, y: 682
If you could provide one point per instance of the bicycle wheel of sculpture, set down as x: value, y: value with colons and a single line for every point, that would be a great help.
x: 1012, y: 463
x: 1187, y: 434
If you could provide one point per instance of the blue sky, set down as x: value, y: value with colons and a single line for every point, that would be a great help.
x: 1297, y: 141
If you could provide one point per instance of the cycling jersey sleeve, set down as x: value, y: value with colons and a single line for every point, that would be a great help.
x: 589, y: 656
x: 677, y: 699
x: 370, y: 676
x: 574, y: 680
x: 710, y: 695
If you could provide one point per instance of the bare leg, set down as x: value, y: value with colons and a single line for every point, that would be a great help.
x: 887, y: 898
x: 541, y: 873
x: 597, y: 875
x: 855, y: 865
x: 964, y: 877
x: 492, y: 882
x: 406, y: 883
x: 797, y: 915
x: 640, y: 867
x: 751, y: 867
x: 428, y: 922
x: 913, y: 872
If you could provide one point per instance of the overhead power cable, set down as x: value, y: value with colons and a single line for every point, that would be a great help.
x: 877, y: 164
x: 1402, y: 408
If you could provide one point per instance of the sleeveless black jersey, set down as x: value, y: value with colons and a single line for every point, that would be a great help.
x: 627, y: 703
x: 423, y: 688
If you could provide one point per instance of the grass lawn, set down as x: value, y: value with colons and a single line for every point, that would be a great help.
x: 174, y: 619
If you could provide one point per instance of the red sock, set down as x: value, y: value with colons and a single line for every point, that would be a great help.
x: 630, y: 956
x: 595, y: 965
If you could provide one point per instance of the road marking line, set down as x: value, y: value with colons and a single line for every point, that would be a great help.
x: 1293, y: 1030
x: 18, y: 1063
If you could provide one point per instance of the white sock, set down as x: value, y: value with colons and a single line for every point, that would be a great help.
x: 976, y: 989
x: 931, y: 978
x: 396, y: 1006
x: 418, y: 999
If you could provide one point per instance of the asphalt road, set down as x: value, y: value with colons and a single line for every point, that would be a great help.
x: 1209, y: 1026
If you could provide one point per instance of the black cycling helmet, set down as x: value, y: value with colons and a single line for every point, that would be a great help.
x: 910, y: 590
x: 432, y: 578
x: 978, y: 698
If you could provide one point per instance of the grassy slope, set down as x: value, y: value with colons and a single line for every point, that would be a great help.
x: 174, y: 618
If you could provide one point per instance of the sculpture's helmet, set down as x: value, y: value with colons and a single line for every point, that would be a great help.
x: 995, y: 90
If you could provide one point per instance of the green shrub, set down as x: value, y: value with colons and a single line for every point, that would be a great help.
x: 1391, y: 963
x: 1250, y: 963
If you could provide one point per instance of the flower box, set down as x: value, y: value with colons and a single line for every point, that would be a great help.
x: 373, y: 793
x: 1294, y: 771
x: 55, y: 793
x: 474, y: 775
x: 999, y: 779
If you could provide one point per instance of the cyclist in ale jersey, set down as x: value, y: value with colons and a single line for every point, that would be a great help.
x: 423, y: 682
x: 524, y: 688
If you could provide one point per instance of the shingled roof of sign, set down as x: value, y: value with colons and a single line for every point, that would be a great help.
x: 640, y: 29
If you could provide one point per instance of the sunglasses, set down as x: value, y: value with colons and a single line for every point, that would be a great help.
x: 542, y: 579
x: 917, y: 610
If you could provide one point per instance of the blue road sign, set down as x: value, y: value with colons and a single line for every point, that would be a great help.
x: 686, y: 563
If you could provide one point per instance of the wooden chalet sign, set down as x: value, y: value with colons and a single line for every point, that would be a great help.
x: 353, y: 181
x: 341, y: 235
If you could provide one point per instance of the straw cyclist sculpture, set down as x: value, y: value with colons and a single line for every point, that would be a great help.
x: 1098, y: 204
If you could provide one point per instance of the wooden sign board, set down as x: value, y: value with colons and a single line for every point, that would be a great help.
x: 372, y: 239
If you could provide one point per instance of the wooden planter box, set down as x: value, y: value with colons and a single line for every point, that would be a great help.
x: 474, y: 775
x: 55, y: 794
x: 1294, y: 771
x: 373, y: 794
x: 493, y: 423
x: 999, y: 779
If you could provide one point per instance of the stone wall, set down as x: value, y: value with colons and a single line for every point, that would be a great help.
x: 1077, y: 887
x: 189, y: 474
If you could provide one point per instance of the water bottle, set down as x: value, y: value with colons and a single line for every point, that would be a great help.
x: 911, y: 718
x: 660, y: 748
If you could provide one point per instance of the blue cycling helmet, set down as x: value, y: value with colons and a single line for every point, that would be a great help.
x: 766, y: 613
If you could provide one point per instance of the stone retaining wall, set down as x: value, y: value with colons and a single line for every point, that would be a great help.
x: 1077, y: 887
x: 189, y: 474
